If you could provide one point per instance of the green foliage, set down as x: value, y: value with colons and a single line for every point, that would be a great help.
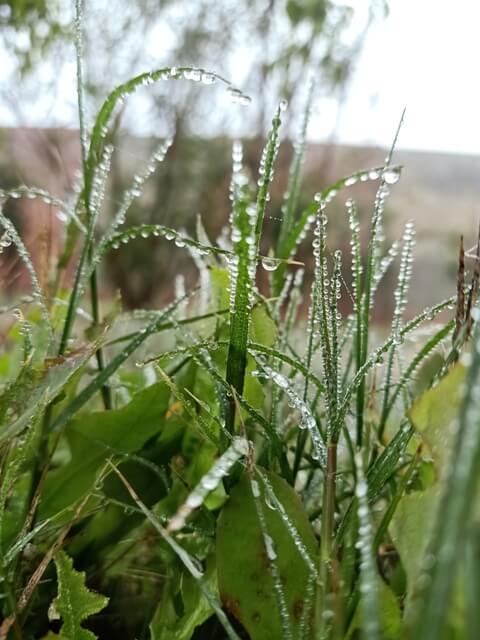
x: 95, y: 437
x: 250, y: 474
x: 74, y: 602
x: 244, y: 561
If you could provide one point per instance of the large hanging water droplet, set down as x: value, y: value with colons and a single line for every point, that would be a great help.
x: 208, y: 78
x: 391, y: 176
x: 270, y: 264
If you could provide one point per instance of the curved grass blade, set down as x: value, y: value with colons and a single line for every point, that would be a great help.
x: 307, y: 217
x: 14, y: 237
x: 185, y: 558
x: 32, y: 193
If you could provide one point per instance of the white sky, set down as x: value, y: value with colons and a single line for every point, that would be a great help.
x: 425, y: 56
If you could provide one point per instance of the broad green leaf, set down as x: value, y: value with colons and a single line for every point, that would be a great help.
x: 94, y: 438
x: 244, y: 578
x: 411, y: 528
x: 437, y: 592
x: 220, y: 283
x: 264, y: 329
x: 412, y: 524
x: 74, y: 602
x: 434, y: 413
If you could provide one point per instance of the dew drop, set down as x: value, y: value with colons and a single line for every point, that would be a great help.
x: 391, y: 176
x: 270, y: 264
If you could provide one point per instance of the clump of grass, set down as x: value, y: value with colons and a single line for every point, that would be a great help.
x: 143, y: 475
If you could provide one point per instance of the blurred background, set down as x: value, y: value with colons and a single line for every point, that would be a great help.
x: 368, y: 60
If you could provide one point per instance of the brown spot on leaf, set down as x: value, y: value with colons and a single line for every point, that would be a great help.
x: 298, y: 606
x: 232, y: 604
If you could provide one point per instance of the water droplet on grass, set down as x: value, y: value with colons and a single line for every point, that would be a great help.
x: 270, y: 264
x: 391, y: 176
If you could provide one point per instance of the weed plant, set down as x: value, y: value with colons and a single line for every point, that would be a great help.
x: 242, y: 483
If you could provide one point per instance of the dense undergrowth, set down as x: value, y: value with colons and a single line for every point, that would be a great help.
x: 220, y: 468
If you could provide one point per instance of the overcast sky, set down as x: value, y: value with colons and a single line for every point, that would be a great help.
x: 425, y: 56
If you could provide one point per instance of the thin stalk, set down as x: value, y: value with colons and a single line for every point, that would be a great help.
x: 327, y: 536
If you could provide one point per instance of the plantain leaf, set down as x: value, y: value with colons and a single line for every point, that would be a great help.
x: 244, y: 579
x: 434, y: 413
x: 94, y: 438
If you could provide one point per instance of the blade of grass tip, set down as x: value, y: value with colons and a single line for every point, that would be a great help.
x: 388, y: 176
x: 190, y: 564
x: 440, y: 563
x: 118, y: 95
x: 100, y: 131
x: 460, y: 307
x: 293, y: 189
x: 128, y: 198
x: 247, y: 223
x: 307, y: 216
x: 159, y: 230
x: 80, y: 85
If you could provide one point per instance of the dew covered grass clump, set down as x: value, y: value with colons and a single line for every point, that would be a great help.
x: 228, y: 466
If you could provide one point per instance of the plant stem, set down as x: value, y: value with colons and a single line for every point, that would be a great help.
x: 326, y: 540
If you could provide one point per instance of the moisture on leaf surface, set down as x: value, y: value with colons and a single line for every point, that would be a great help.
x: 244, y: 577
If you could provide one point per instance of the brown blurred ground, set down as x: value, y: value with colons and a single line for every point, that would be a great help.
x: 439, y: 192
